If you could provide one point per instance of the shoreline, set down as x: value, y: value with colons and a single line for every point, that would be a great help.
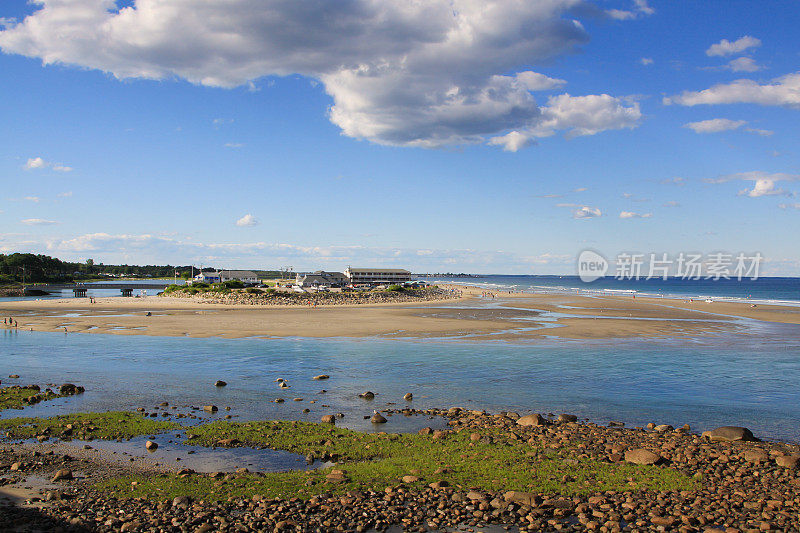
x: 507, y: 317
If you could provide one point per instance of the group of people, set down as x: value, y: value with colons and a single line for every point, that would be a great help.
x: 10, y: 322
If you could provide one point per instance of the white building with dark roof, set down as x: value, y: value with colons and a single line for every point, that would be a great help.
x: 377, y: 275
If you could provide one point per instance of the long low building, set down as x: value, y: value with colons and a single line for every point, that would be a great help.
x: 377, y: 275
x: 245, y: 276
x: 321, y: 278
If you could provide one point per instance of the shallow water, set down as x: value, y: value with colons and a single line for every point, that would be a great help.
x: 748, y: 380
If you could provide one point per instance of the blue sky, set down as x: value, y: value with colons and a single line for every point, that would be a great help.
x: 488, y: 137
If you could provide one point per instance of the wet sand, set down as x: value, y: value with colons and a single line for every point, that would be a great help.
x: 506, y: 317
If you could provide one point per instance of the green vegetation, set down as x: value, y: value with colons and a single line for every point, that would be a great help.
x: 104, y: 426
x: 30, y: 268
x: 18, y: 397
x: 373, y: 461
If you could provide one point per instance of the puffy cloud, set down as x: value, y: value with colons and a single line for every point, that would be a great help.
x: 646, y: 61
x: 582, y: 211
x: 38, y: 222
x: 783, y: 91
x: 715, y: 125
x: 726, y: 47
x: 403, y: 73
x: 512, y: 141
x: 247, y: 221
x: 640, y: 8
x: 36, y: 163
x: 743, y: 64
x: 631, y: 214
x: 765, y: 184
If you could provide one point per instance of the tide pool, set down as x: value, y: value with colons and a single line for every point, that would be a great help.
x: 750, y: 380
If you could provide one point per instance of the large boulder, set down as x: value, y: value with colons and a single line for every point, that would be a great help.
x: 640, y: 456
x: 532, y: 420
x: 729, y: 434
x: 788, y: 461
x: 522, y: 498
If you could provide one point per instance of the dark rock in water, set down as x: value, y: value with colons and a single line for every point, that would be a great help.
x: 328, y: 419
x: 641, y: 456
x: 220, y: 383
x: 321, y: 377
x: 69, y: 388
x: 367, y: 395
x: 210, y: 408
x: 14, y: 376
x: 63, y: 474
x: 151, y: 446
x: 729, y: 434
x: 567, y: 418
x: 377, y: 418
x: 532, y: 420
x: 408, y: 397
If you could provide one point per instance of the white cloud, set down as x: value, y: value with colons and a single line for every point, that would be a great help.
x: 36, y: 163
x: 512, y: 141
x: 765, y: 184
x: 641, y: 8
x: 582, y: 211
x: 247, y: 221
x: 743, y: 64
x: 726, y: 47
x: 762, y: 133
x: 646, y: 61
x: 66, y: 194
x: 34, y: 199
x: 403, y: 73
x: 783, y: 91
x: 234, y: 145
x: 790, y: 206
x: 715, y: 125
x: 580, y: 189
x: 631, y: 214
x: 38, y: 222
x: 672, y: 203
x: 674, y: 181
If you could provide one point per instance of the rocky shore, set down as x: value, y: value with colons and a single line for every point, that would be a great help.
x: 643, y: 479
x: 284, y: 298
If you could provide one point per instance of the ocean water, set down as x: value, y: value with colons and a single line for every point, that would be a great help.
x: 766, y: 290
x: 745, y: 379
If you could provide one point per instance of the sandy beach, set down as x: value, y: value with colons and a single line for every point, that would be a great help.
x: 505, y: 316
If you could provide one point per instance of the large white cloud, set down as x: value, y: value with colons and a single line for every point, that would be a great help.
x: 783, y: 91
x: 764, y: 183
x: 400, y: 73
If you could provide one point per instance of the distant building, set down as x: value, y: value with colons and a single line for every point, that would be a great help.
x: 357, y: 276
x: 320, y: 277
x: 245, y: 276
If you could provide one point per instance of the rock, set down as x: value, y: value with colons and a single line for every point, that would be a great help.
x: 14, y: 376
x: 204, y: 528
x: 475, y: 495
x: 567, y: 418
x: 377, y: 418
x: 151, y: 446
x: 729, y: 434
x: 70, y: 388
x: 328, y: 419
x: 62, y: 474
x: 532, y: 420
x: 408, y: 396
x: 16, y: 467
x: 367, y: 395
x: 227, y: 443
x: 133, y: 525
x: 210, y: 408
x: 663, y: 428
x: 756, y: 455
x: 788, y: 461
x: 220, y: 383
x: 522, y: 498
x: 425, y: 431
x: 321, y: 377
x: 336, y: 476
x: 182, y: 501
x: 283, y: 385
x: 410, y: 479
x: 640, y: 456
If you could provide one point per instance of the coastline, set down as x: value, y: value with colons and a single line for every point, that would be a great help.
x: 507, y: 317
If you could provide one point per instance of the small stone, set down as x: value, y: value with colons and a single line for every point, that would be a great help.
x: 408, y: 397
x: 14, y: 376
x: 367, y: 395
x: 410, y: 479
x: 210, y: 408
x: 16, y: 467
x: 663, y: 428
x: 63, y: 474
x: 377, y: 418
x: 328, y: 419
x: 321, y: 377
x: 220, y: 383
x: 567, y: 418
x: 756, y: 455
x: 151, y: 446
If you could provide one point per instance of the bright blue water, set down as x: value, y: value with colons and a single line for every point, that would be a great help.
x: 749, y: 380
x: 775, y: 290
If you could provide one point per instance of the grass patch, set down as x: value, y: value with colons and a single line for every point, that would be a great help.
x: 373, y: 461
x: 104, y: 426
x: 16, y: 397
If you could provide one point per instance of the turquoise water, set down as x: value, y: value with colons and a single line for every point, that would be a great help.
x: 749, y: 380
